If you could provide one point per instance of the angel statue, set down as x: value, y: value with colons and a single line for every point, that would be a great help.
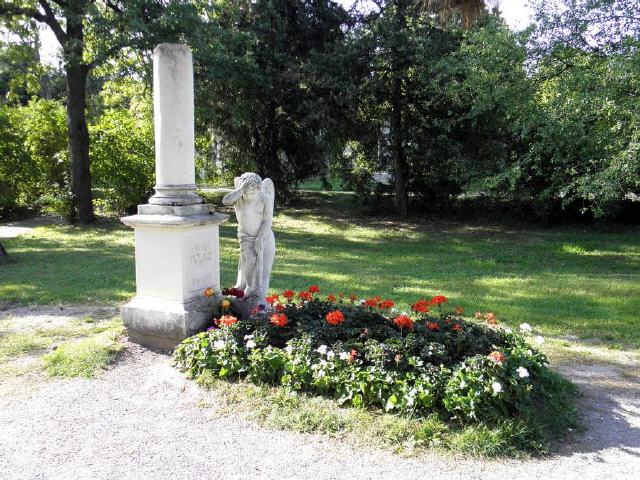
x: 253, y: 201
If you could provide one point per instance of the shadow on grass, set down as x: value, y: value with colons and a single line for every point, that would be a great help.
x: 560, y: 280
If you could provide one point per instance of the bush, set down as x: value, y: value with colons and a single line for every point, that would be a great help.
x: 34, y: 164
x: 122, y: 159
x: 15, y: 168
x: 370, y: 355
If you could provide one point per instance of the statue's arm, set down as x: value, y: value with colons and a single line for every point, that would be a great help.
x: 232, y: 197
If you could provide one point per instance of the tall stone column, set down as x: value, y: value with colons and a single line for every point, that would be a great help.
x: 176, y: 235
x: 173, y: 122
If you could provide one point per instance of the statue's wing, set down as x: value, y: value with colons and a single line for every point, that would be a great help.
x: 236, y: 183
x: 269, y: 190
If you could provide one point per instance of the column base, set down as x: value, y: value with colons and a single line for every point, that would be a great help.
x: 162, y: 324
x: 175, y: 195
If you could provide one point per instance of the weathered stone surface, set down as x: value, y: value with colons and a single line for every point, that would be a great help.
x: 176, y: 235
x: 173, y: 109
x: 253, y: 201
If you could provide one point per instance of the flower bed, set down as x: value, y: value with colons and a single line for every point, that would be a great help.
x: 365, y: 353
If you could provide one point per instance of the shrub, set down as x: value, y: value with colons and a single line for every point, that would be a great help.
x: 370, y: 355
x: 15, y: 167
x: 122, y: 159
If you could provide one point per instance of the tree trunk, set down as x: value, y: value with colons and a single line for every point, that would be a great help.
x: 399, y: 166
x: 79, y: 142
x: 3, y: 254
x: 77, y: 72
x: 400, y: 185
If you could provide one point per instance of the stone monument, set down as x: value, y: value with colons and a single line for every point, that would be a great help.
x: 253, y: 201
x: 176, y: 234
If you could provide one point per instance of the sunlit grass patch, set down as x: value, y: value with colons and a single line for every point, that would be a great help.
x: 86, y: 357
x: 561, y: 280
x: 18, y: 344
x: 279, y: 408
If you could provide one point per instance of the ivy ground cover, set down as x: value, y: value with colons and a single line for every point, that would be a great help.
x: 365, y: 353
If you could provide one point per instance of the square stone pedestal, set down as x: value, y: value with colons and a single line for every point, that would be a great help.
x: 177, y: 258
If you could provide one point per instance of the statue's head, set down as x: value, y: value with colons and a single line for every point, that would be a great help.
x: 252, y: 180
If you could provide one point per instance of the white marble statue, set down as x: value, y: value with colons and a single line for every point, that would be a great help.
x: 253, y: 201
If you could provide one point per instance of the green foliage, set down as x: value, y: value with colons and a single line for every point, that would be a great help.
x: 570, y: 125
x: 442, y: 364
x: 16, y: 170
x: 44, y: 127
x: 122, y: 152
x: 268, y: 83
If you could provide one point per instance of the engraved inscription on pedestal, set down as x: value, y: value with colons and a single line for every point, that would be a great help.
x: 201, y: 261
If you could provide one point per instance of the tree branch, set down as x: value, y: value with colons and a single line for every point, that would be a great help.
x: 51, y: 20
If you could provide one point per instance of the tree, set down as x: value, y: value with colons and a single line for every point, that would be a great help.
x: 270, y: 82
x: 90, y: 33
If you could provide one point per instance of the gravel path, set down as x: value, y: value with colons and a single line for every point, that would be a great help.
x: 20, y: 227
x: 140, y: 420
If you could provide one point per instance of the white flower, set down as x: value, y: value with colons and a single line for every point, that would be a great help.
x: 525, y: 327
x: 330, y: 354
x: 251, y: 344
x: 539, y: 340
x: 289, y: 349
x: 362, y: 300
x: 463, y: 384
x: 522, y: 372
x: 344, y: 355
x: 394, y: 310
x: 508, y: 330
x: 496, y: 386
x: 322, y: 373
x: 322, y: 349
x: 248, y: 337
x: 218, y: 344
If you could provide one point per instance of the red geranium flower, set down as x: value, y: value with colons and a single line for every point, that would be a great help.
x: 353, y: 297
x: 371, y: 302
x: 227, y: 320
x: 305, y: 296
x: 279, y: 319
x: 433, y: 326
x: 313, y: 289
x: 420, y: 306
x: 403, y: 321
x: 491, y: 319
x: 271, y: 299
x: 279, y: 307
x: 209, y: 292
x: 288, y: 294
x: 335, y: 318
x: 331, y: 297
x: 438, y: 299
x: 457, y: 327
x: 386, y: 304
x: 497, y: 357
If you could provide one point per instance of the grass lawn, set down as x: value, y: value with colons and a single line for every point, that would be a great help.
x: 561, y: 280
